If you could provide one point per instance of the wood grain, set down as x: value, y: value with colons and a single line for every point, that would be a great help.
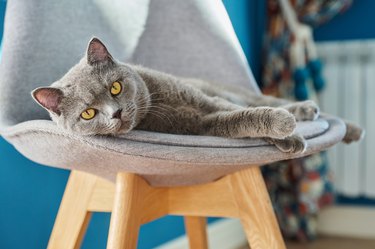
x: 73, y: 216
x: 196, y: 230
x: 255, y: 210
x: 102, y: 197
x: 210, y: 199
x: 126, y: 214
x: 134, y: 202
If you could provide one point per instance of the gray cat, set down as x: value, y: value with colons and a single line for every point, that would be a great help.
x: 100, y: 95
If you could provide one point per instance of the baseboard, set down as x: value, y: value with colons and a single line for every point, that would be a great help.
x: 222, y: 234
x: 348, y: 221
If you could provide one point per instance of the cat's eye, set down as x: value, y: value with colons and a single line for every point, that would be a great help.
x: 116, y: 88
x: 88, y: 114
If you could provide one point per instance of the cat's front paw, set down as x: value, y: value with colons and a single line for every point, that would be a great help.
x: 295, y: 144
x: 304, y: 111
x: 281, y: 124
x: 353, y: 133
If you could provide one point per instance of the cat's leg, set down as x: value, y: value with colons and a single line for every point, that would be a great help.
x: 303, y: 111
x: 292, y: 144
x: 307, y: 111
x: 250, y: 122
x: 275, y: 125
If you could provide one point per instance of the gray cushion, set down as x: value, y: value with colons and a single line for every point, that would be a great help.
x: 182, y: 162
x: 307, y: 129
x: 194, y: 38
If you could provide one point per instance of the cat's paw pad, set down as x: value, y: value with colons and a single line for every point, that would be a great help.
x: 294, y: 144
x: 353, y: 133
x: 305, y: 111
x: 282, y: 124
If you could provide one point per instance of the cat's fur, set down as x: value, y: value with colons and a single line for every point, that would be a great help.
x: 155, y: 101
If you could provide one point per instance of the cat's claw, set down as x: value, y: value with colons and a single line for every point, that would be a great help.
x: 282, y: 123
x: 304, y: 111
x: 294, y: 144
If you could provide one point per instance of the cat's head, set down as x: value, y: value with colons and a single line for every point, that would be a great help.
x: 99, y: 95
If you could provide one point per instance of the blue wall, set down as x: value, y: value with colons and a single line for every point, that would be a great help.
x: 248, y: 18
x: 30, y: 194
x: 356, y: 23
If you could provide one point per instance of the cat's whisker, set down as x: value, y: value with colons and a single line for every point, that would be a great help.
x: 147, y: 97
x: 165, y: 108
x: 159, y: 109
x: 156, y: 113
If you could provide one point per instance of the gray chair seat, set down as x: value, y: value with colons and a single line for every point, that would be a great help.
x: 192, y: 38
x: 162, y: 159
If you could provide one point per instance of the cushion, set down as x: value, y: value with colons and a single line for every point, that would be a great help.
x: 164, y: 159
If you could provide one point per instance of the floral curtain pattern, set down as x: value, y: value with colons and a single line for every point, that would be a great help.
x: 299, y: 188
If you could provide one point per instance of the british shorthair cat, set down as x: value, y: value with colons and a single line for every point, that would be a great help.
x: 101, y: 95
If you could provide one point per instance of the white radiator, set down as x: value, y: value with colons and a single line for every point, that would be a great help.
x: 350, y: 93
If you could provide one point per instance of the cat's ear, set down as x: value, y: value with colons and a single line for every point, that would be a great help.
x: 97, y: 53
x: 49, y: 98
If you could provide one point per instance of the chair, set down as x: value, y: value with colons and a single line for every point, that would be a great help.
x: 143, y: 175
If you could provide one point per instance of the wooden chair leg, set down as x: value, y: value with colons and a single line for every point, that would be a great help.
x: 196, y: 232
x: 73, y: 217
x: 255, y: 210
x: 133, y: 202
x: 126, y: 213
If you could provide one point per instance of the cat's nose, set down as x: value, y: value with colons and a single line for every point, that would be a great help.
x: 117, y: 114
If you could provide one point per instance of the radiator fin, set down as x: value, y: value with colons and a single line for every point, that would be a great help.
x: 350, y: 93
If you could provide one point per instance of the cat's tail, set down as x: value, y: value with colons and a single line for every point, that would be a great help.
x: 354, y: 133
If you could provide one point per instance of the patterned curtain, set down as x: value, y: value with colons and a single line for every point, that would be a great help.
x: 299, y: 188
